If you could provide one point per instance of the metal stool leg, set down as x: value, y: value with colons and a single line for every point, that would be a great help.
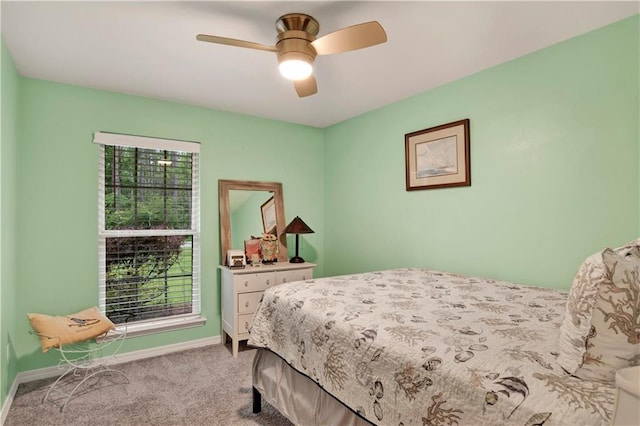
x: 84, y: 362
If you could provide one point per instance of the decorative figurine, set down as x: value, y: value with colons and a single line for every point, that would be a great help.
x: 269, y: 248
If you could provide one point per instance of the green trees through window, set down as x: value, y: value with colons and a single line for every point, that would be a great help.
x: 148, y: 261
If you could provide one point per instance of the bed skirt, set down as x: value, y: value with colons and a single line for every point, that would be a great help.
x: 296, y: 396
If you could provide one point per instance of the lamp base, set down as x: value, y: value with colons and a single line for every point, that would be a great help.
x: 296, y: 259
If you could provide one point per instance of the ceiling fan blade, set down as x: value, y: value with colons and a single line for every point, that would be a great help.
x: 350, y: 38
x: 235, y: 42
x: 306, y: 87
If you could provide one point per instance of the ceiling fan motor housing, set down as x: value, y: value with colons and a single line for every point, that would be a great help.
x: 297, y: 22
x: 296, y: 31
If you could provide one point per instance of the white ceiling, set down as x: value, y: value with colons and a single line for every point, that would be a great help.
x: 149, y: 48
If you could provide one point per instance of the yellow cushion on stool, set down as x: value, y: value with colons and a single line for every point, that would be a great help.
x: 64, y: 330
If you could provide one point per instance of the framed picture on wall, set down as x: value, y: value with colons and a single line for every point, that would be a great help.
x: 268, y: 210
x: 438, y: 157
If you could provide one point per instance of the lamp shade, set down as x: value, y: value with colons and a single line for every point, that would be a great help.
x: 295, y: 60
x: 297, y: 226
x: 295, y: 69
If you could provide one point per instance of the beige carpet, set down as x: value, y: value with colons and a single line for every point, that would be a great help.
x: 204, y: 386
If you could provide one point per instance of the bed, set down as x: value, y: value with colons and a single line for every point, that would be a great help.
x: 419, y: 347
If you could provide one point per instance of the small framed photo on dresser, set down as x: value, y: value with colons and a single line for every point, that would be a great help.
x: 253, y: 250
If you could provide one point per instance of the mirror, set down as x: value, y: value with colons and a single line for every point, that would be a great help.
x: 242, y: 206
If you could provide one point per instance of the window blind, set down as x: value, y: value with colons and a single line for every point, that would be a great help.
x: 148, y: 236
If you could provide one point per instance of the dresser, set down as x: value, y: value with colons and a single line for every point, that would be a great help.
x: 242, y: 291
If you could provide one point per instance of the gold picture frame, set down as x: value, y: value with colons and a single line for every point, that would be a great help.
x: 438, y: 157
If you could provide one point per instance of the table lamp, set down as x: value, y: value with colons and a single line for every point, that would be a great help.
x: 297, y: 226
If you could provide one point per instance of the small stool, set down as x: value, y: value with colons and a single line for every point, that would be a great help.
x: 85, y: 360
x: 87, y: 342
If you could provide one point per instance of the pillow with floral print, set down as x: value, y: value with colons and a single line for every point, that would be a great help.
x: 577, y: 323
x: 614, y: 336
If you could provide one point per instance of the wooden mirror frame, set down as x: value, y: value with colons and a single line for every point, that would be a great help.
x: 224, y: 186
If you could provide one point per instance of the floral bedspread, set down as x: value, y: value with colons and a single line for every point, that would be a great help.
x: 423, y: 347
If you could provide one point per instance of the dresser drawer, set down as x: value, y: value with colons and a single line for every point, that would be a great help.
x: 243, y: 323
x: 254, y: 282
x: 294, y: 275
x: 248, y: 302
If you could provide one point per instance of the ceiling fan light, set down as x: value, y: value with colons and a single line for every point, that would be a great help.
x: 295, y: 69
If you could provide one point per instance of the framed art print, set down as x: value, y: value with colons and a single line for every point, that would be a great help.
x: 438, y: 157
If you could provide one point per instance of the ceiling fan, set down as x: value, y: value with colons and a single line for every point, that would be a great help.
x: 297, y: 46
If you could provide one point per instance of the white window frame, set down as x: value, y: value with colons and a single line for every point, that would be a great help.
x: 175, y: 322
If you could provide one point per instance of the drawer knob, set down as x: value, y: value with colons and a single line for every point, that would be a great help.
x: 246, y: 304
x: 246, y: 325
x: 246, y: 283
x: 268, y: 282
x: 284, y: 280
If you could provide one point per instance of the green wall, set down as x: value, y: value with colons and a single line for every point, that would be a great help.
x: 8, y: 185
x: 57, y: 201
x: 554, y: 169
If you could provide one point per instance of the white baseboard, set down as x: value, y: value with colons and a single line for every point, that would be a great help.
x: 45, y: 373
x: 8, y: 401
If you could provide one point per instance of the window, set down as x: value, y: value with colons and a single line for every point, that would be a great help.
x: 148, y: 232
